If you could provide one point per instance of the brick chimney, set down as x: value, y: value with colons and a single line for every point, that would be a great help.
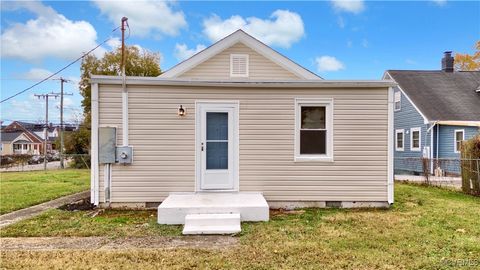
x: 447, y: 62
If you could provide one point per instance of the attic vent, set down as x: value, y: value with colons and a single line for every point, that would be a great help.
x: 239, y: 65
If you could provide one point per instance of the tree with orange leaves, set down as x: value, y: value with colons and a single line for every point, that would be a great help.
x: 467, y: 62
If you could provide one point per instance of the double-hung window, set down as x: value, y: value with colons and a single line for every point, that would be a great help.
x: 415, y: 139
x: 459, y: 137
x: 399, y: 140
x: 314, y: 130
x: 398, y: 101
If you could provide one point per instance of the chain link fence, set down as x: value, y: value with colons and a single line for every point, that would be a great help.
x: 25, y: 162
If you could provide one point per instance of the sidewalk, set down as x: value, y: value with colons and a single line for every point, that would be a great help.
x: 121, y: 243
x: 32, y: 211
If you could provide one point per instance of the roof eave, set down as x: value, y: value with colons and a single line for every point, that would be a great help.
x: 117, y: 80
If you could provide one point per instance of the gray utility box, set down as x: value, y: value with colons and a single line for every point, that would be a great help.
x: 124, y: 154
x: 107, y: 137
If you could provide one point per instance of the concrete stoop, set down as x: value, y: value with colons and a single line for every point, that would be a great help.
x: 212, y: 213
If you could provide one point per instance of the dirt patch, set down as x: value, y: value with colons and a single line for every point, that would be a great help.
x: 80, y: 205
x: 105, y: 243
x: 284, y: 212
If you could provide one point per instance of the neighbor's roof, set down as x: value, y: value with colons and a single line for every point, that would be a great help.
x: 249, y: 41
x: 9, y: 136
x: 442, y: 96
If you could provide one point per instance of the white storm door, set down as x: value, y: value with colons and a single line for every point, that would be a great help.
x: 217, y: 147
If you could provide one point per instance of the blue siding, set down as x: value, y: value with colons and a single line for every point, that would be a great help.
x: 448, y: 159
x: 408, y: 161
x: 446, y: 140
x: 406, y: 118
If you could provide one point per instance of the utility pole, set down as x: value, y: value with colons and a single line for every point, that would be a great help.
x: 62, y: 128
x: 45, y: 130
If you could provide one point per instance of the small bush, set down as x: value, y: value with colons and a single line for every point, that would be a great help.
x: 471, y: 166
x: 15, y: 160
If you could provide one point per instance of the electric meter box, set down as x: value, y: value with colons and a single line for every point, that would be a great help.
x: 124, y: 154
x: 107, y: 137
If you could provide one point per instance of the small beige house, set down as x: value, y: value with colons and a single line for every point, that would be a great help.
x: 238, y: 117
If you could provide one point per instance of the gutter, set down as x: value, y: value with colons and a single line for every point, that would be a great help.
x: 117, y: 80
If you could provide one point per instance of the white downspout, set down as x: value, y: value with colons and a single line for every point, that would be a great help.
x: 94, y: 181
x: 430, y: 155
x: 390, y: 185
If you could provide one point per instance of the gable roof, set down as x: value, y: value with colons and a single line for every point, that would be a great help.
x: 441, y: 96
x: 249, y: 41
x: 10, y: 136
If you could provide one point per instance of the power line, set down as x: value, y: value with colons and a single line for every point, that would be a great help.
x: 62, y: 69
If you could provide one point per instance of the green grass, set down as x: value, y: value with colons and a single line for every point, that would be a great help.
x: 427, y: 228
x: 22, y: 189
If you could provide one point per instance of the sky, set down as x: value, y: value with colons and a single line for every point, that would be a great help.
x: 335, y: 39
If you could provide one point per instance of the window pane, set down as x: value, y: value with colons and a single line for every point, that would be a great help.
x: 217, y: 155
x: 459, y: 136
x: 399, y: 140
x: 397, y: 105
x: 313, y: 117
x: 217, y: 126
x: 415, y: 139
x: 313, y: 142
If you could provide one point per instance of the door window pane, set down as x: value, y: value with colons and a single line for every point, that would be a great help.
x: 313, y: 142
x: 217, y: 140
x: 217, y: 155
x: 217, y: 126
x: 313, y: 118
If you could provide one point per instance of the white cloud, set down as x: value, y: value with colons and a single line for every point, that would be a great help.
x: 410, y: 61
x: 114, y: 43
x: 365, y: 43
x: 439, y: 2
x: 182, y: 52
x: 341, y: 22
x: 282, y: 28
x: 144, y: 17
x: 36, y: 74
x: 328, y: 63
x: 353, y: 6
x: 50, y: 34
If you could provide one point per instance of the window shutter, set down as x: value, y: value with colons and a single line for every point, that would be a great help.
x: 239, y: 65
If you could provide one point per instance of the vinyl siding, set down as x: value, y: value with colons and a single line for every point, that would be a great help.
x: 164, y: 144
x: 406, y: 118
x: 218, y: 67
x: 446, y: 148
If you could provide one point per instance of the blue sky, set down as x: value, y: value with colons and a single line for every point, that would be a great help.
x: 335, y: 39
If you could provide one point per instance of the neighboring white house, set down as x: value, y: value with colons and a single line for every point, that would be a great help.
x: 240, y: 117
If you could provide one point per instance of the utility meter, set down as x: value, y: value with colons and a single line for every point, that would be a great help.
x: 124, y: 154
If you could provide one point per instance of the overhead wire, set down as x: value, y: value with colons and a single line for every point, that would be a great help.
x: 60, y: 70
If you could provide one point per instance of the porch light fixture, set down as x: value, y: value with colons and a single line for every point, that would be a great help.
x: 181, y: 111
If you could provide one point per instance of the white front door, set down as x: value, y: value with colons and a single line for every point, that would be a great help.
x: 217, y: 146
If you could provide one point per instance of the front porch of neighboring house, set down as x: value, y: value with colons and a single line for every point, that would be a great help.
x: 26, y: 147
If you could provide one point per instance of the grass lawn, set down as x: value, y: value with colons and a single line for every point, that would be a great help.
x: 427, y: 228
x: 22, y: 189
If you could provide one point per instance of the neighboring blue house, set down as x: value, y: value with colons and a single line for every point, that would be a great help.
x: 433, y: 112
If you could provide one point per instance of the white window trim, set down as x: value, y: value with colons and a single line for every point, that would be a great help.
x: 247, y: 71
x: 328, y: 103
x: 399, y: 131
x: 399, y: 101
x: 455, y: 150
x: 419, y: 139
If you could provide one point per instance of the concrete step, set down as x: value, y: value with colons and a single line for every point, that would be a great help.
x: 212, y: 224
x: 251, y: 206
